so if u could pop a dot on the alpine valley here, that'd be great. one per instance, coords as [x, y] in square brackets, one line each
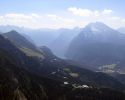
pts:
[87, 64]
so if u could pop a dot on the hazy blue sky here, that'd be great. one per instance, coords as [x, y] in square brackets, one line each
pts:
[61, 13]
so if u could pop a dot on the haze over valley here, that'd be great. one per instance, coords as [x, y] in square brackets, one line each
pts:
[62, 50]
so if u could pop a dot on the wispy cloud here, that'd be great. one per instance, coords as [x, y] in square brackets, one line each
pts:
[60, 19]
[19, 19]
[36, 21]
[106, 15]
[72, 17]
[88, 12]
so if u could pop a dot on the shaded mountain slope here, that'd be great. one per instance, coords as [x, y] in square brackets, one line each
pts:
[18, 84]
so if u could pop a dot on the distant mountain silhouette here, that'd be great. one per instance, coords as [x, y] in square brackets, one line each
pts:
[60, 44]
[52, 38]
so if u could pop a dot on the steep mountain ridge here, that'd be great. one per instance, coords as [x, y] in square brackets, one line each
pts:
[23, 44]
[98, 45]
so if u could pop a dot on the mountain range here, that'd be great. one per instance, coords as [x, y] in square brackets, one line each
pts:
[92, 69]
[51, 38]
[35, 73]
